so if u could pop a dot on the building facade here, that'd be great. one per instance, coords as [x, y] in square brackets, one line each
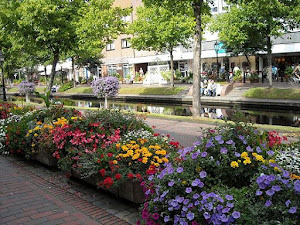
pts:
[120, 58]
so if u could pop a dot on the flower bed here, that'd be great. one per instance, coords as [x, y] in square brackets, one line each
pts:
[234, 174]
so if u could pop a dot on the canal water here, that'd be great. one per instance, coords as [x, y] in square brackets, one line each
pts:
[261, 117]
[255, 116]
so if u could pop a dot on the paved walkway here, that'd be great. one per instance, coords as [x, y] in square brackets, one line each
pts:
[32, 194]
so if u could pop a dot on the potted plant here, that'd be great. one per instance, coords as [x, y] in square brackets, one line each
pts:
[288, 72]
[254, 78]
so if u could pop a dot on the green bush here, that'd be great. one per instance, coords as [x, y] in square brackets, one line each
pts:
[66, 86]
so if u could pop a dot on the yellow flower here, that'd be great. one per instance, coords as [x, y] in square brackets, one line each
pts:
[145, 160]
[39, 123]
[74, 118]
[135, 156]
[33, 145]
[37, 128]
[132, 142]
[118, 145]
[27, 135]
[159, 161]
[115, 162]
[30, 131]
[198, 169]
[247, 161]
[294, 176]
[165, 160]
[156, 164]
[184, 182]
[239, 161]
[234, 164]
[35, 134]
[259, 158]
[277, 169]
[124, 148]
[244, 155]
[272, 161]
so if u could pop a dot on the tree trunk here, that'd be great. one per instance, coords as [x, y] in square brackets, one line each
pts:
[45, 70]
[73, 72]
[105, 102]
[52, 75]
[27, 97]
[269, 50]
[172, 68]
[197, 59]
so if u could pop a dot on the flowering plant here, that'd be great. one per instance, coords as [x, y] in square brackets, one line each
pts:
[26, 88]
[229, 177]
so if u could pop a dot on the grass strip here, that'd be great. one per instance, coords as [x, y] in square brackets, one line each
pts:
[273, 93]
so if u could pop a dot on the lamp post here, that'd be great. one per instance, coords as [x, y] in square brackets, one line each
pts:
[3, 83]
[217, 49]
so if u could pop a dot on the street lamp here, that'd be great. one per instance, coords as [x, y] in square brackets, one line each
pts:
[217, 49]
[3, 83]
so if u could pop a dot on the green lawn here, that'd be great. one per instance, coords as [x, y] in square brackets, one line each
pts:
[15, 89]
[151, 90]
[273, 93]
[134, 90]
[79, 90]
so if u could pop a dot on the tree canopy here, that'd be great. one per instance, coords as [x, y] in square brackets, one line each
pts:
[196, 9]
[159, 29]
[252, 23]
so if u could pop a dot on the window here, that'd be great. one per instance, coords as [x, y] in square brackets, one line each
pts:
[127, 70]
[225, 7]
[110, 46]
[125, 43]
[214, 6]
[112, 70]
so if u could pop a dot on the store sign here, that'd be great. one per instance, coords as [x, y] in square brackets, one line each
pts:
[222, 49]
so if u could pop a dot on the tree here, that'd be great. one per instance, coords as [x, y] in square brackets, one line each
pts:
[159, 29]
[195, 8]
[49, 25]
[101, 23]
[237, 34]
[268, 18]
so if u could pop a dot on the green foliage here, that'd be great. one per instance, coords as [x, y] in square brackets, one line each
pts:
[166, 75]
[289, 71]
[46, 98]
[101, 23]
[66, 86]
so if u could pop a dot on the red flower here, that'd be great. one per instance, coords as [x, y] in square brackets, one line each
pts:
[109, 154]
[101, 156]
[118, 176]
[102, 172]
[99, 161]
[130, 175]
[139, 176]
[140, 159]
[58, 156]
[153, 127]
[155, 134]
[108, 182]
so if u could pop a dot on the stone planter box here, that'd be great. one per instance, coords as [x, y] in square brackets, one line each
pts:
[46, 158]
[131, 190]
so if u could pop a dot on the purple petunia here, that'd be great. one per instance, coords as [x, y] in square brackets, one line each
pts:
[171, 183]
[287, 203]
[293, 210]
[297, 185]
[258, 149]
[195, 155]
[286, 174]
[270, 153]
[196, 196]
[249, 149]
[276, 188]
[241, 137]
[229, 197]
[203, 154]
[258, 192]
[270, 192]
[179, 170]
[237, 154]
[268, 203]
[190, 216]
[209, 144]
[230, 142]
[166, 219]
[223, 150]
[188, 190]
[202, 174]
[236, 214]
[206, 215]
[196, 182]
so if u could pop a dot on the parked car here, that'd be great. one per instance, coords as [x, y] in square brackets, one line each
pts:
[54, 88]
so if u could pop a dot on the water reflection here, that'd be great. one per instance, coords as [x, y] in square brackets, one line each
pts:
[260, 117]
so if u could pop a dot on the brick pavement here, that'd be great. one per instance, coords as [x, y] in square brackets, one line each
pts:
[32, 194]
